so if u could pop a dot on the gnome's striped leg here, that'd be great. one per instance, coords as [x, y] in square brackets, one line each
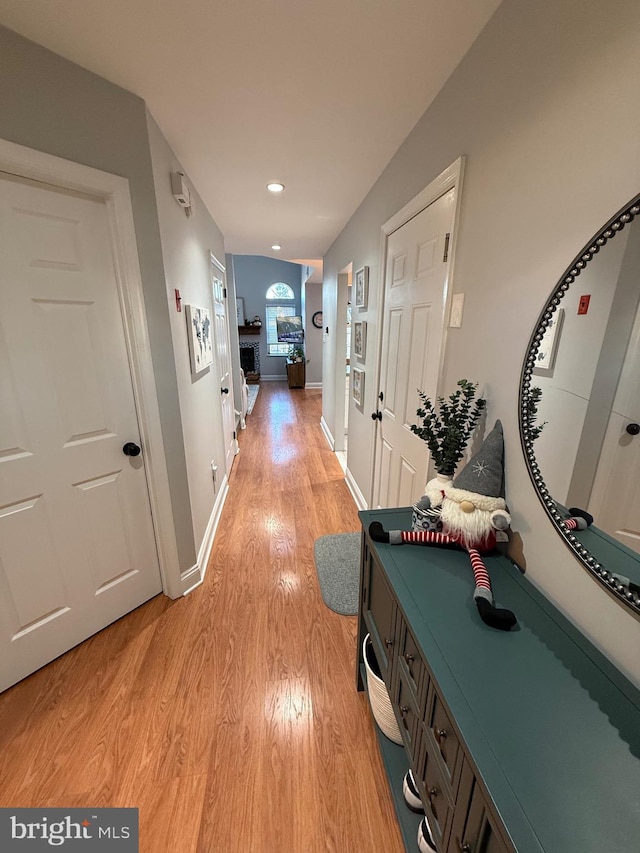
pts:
[416, 537]
[493, 616]
[580, 519]
[419, 537]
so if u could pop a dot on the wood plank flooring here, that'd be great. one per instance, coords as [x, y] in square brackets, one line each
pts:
[229, 717]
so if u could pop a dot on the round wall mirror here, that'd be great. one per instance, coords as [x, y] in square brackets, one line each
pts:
[580, 405]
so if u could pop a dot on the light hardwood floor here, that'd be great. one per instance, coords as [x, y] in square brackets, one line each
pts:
[230, 717]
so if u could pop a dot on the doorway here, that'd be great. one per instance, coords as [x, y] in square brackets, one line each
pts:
[78, 539]
[417, 251]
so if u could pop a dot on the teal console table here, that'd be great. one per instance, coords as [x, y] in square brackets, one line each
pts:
[525, 741]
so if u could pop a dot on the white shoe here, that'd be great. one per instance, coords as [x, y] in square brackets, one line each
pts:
[426, 844]
[410, 792]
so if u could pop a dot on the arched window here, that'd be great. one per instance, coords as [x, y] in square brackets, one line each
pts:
[281, 302]
[280, 290]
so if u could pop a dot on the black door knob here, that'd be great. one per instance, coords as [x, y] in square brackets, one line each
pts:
[633, 429]
[376, 416]
[131, 449]
[224, 390]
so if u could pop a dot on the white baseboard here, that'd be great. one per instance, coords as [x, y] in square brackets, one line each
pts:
[327, 434]
[357, 495]
[313, 385]
[193, 577]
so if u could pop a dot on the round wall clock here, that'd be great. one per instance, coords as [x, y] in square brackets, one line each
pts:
[317, 319]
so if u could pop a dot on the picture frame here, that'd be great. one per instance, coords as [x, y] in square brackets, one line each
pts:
[360, 339]
[361, 286]
[199, 335]
[546, 355]
[357, 386]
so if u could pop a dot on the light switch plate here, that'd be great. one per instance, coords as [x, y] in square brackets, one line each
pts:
[457, 304]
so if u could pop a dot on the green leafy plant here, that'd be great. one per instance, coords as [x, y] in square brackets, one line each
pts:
[296, 353]
[447, 425]
[531, 413]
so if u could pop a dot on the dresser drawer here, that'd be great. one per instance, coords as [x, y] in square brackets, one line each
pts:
[443, 738]
[409, 718]
[410, 663]
[435, 793]
[379, 613]
[473, 828]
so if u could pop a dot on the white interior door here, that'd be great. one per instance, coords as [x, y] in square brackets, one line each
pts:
[223, 365]
[615, 498]
[77, 546]
[415, 291]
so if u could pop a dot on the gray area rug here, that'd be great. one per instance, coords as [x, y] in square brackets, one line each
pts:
[337, 559]
[252, 393]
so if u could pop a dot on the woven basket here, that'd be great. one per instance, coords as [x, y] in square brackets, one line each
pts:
[378, 696]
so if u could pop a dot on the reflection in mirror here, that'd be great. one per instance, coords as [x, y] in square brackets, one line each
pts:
[580, 404]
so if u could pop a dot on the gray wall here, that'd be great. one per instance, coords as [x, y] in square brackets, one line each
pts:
[545, 106]
[253, 275]
[52, 105]
[187, 242]
[312, 302]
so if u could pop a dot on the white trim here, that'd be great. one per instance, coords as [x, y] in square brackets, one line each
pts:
[114, 190]
[216, 262]
[448, 179]
[313, 385]
[327, 433]
[193, 577]
[356, 494]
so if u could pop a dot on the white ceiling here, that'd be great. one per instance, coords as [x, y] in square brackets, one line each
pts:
[318, 94]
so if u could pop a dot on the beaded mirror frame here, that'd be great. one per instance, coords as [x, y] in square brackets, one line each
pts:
[602, 573]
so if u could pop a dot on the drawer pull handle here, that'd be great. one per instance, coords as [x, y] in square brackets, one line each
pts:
[409, 658]
[433, 793]
[465, 848]
[442, 734]
[404, 710]
[388, 643]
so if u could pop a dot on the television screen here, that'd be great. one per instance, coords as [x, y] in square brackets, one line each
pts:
[289, 330]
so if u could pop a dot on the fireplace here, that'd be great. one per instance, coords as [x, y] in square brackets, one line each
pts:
[250, 361]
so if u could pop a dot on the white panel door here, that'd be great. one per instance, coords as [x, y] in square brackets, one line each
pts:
[615, 498]
[223, 363]
[412, 335]
[77, 546]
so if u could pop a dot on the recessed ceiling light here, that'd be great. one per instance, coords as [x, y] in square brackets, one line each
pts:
[275, 187]
[276, 247]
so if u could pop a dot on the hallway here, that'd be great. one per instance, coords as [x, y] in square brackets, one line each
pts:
[230, 717]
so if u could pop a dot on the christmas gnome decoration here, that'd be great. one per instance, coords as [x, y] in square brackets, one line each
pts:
[473, 508]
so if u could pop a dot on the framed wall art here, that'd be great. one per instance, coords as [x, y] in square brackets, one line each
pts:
[357, 386]
[199, 334]
[360, 339]
[240, 315]
[361, 287]
[546, 357]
